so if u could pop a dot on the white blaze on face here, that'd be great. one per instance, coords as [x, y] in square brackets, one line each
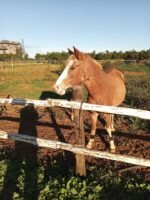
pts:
[59, 86]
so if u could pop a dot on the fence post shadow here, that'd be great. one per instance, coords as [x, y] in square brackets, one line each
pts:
[23, 159]
[67, 156]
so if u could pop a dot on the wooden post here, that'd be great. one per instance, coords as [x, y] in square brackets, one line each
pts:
[12, 66]
[79, 131]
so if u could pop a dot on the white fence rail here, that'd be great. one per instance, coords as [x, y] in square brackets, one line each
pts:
[74, 148]
[143, 114]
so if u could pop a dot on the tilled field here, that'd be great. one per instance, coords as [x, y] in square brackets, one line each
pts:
[55, 124]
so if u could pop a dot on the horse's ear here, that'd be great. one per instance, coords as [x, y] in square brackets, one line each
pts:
[70, 51]
[77, 53]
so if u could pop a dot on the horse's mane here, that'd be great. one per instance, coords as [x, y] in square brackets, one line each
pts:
[93, 60]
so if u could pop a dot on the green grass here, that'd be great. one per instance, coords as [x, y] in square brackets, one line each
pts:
[27, 81]
[138, 93]
[134, 68]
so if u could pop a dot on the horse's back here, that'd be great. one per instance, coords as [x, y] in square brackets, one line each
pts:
[117, 73]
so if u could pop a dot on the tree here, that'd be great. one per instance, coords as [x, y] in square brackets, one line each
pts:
[128, 55]
[93, 54]
[26, 56]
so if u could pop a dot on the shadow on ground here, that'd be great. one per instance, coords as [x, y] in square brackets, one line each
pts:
[53, 95]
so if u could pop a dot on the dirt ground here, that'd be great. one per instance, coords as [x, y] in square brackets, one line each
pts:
[56, 124]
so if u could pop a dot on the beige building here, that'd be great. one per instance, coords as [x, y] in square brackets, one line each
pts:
[9, 47]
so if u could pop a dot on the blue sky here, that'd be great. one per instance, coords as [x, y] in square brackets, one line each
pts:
[55, 25]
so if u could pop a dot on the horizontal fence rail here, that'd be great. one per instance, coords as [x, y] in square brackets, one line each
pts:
[74, 148]
[143, 114]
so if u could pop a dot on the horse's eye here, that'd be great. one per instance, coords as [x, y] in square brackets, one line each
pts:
[72, 67]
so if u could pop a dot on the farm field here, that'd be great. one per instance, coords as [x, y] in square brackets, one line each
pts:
[27, 172]
[27, 81]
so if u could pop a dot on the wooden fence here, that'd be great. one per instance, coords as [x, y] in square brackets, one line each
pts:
[143, 114]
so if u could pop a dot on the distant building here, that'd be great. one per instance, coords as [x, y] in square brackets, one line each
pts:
[9, 47]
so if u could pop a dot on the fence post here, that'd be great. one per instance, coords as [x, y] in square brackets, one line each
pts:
[79, 131]
[12, 65]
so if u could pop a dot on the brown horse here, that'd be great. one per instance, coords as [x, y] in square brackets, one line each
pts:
[104, 87]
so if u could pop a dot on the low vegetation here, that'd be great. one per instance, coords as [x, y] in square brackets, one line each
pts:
[138, 92]
[55, 181]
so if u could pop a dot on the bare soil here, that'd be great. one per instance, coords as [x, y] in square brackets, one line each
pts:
[56, 124]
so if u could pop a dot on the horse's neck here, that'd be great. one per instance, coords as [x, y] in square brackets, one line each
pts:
[92, 68]
[94, 76]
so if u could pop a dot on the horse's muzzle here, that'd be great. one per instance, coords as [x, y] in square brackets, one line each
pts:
[59, 90]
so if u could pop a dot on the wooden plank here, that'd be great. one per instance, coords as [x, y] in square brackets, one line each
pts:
[143, 114]
[79, 131]
[75, 149]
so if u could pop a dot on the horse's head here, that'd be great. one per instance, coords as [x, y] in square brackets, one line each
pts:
[73, 72]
